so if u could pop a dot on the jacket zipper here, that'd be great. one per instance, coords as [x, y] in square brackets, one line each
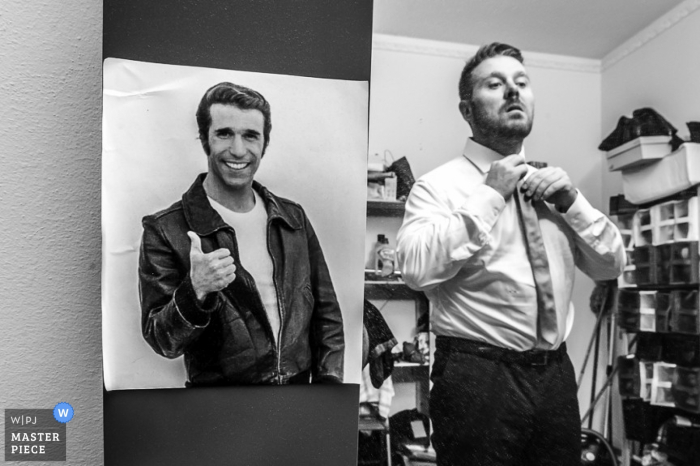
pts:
[257, 292]
[279, 308]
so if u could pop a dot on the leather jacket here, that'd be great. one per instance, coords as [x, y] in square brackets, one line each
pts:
[228, 339]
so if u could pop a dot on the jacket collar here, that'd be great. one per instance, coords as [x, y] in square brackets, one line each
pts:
[204, 220]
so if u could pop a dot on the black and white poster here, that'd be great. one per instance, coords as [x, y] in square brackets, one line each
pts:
[152, 152]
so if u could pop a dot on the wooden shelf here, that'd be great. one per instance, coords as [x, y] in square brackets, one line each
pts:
[369, 423]
[391, 290]
[385, 208]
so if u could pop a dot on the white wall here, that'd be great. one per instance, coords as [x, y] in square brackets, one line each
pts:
[50, 90]
[663, 73]
[413, 112]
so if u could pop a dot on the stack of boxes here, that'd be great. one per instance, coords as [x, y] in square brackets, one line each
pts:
[671, 311]
[665, 243]
[658, 300]
[686, 389]
[625, 225]
[658, 293]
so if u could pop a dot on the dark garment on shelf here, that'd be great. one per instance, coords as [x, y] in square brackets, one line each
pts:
[228, 340]
[380, 343]
[496, 407]
[404, 177]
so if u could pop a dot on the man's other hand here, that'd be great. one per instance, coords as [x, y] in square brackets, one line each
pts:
[505, 174]
[553, 185]
[209, 272]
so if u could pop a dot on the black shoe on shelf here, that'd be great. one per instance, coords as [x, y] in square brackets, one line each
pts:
[694, 128]
[624, 131]
[652, 124]
[644, 122]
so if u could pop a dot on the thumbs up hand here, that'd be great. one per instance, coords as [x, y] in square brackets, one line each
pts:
[209, 272]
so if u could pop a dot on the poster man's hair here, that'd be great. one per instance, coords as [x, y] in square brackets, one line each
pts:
[231, 94]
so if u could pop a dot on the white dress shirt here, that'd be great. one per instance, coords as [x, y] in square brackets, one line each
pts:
[462, 244]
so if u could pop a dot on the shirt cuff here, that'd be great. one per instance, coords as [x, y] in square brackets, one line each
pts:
[189, 308]
[581, 214]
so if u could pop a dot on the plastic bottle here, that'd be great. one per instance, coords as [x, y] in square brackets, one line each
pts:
[390, 188]
[385, 257]
[375, 253]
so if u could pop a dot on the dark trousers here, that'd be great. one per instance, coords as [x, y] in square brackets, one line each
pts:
[495, 407]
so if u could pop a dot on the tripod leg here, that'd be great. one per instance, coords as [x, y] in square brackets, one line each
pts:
[595, 375]
[596, 329]
[607, 429]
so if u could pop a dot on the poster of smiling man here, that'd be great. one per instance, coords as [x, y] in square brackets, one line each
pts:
[233, 227]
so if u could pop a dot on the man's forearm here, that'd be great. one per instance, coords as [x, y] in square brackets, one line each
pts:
[170, 327]
[434, 241]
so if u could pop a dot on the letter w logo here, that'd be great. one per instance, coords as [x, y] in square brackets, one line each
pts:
[62, 413]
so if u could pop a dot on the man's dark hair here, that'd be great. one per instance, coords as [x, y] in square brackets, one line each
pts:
[231, 94]
[485, 52]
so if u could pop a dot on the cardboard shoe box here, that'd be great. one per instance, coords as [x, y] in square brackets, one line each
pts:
[638, 152]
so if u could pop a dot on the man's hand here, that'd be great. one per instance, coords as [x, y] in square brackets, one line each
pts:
[553, 185]
[505, 174]
[209, 272]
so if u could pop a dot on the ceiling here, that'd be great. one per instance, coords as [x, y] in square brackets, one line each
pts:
[579, 28]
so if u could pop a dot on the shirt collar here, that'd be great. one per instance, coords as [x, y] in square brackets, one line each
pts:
[481, 156]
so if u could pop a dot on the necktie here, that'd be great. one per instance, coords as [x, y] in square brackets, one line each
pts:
[546, 311]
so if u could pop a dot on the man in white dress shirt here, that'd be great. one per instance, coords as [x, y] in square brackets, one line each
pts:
[504, 389]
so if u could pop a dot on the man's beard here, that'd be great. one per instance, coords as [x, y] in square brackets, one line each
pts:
[515, 129]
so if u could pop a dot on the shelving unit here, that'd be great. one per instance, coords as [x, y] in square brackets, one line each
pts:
[405, 372]
[659, 301]
[387, 215]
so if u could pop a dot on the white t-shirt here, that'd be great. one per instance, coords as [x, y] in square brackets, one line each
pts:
[251, 235]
